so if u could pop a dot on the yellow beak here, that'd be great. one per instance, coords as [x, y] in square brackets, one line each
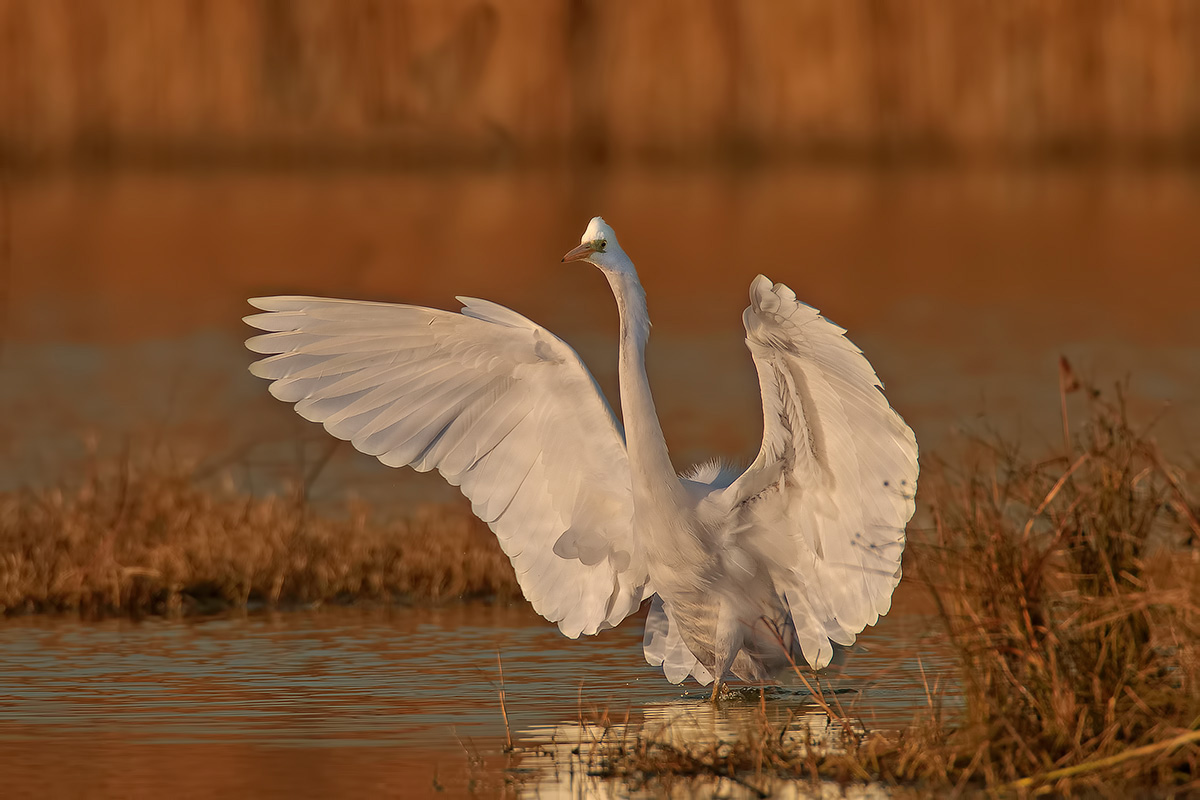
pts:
[579, 253]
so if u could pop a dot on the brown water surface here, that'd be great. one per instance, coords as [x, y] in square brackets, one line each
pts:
[347, 702]
[125, 292]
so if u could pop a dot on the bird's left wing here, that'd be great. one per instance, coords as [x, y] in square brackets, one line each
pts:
[827, 500]
[501, 407]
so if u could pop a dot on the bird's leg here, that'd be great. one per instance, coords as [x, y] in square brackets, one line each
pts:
[728, 642]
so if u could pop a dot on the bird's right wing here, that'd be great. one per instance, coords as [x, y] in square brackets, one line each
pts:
[501, 407]
[827, 500]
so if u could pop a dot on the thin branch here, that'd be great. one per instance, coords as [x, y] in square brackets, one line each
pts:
[1100, 763]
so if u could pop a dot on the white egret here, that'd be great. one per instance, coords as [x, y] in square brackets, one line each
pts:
[746, 572]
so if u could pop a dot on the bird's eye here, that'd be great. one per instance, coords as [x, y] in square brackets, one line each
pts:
[601, 244]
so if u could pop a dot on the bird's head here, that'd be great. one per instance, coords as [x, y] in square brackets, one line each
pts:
[598, 246]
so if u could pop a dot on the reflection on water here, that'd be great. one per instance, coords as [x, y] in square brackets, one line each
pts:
[695, 722]
[569, 758]
[338, 701]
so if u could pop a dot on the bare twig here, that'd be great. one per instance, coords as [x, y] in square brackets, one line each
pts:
[508, 745]
[1067, 383]
[1101, 763]
[1054, 490]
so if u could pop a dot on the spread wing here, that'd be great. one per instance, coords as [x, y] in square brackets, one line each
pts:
[501, 407]
[829, 495]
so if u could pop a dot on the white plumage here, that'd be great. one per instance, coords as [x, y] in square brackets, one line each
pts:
[798, 553]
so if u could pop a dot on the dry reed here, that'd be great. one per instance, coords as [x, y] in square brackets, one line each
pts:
[1070, 587]
[137, 535]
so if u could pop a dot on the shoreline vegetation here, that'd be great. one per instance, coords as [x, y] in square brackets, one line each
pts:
[473, 81]
[139, 536]
[1068, 586]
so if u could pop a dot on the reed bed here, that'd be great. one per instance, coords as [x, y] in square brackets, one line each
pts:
[1069, 589]
[471, 80]
[140, 535]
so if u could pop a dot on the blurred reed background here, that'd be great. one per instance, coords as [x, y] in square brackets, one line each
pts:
[598, 80]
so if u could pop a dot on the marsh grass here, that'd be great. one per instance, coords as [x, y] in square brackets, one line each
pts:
[141, 534]
[1069, 589]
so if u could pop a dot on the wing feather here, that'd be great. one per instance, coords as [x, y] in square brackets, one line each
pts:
[663, 645]
[501, 407]
[833, 485]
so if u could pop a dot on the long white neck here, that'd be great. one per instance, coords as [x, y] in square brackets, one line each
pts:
[649, 463]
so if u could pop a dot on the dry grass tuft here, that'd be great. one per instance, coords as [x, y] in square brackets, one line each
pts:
[137, 536]
[1070, 587]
